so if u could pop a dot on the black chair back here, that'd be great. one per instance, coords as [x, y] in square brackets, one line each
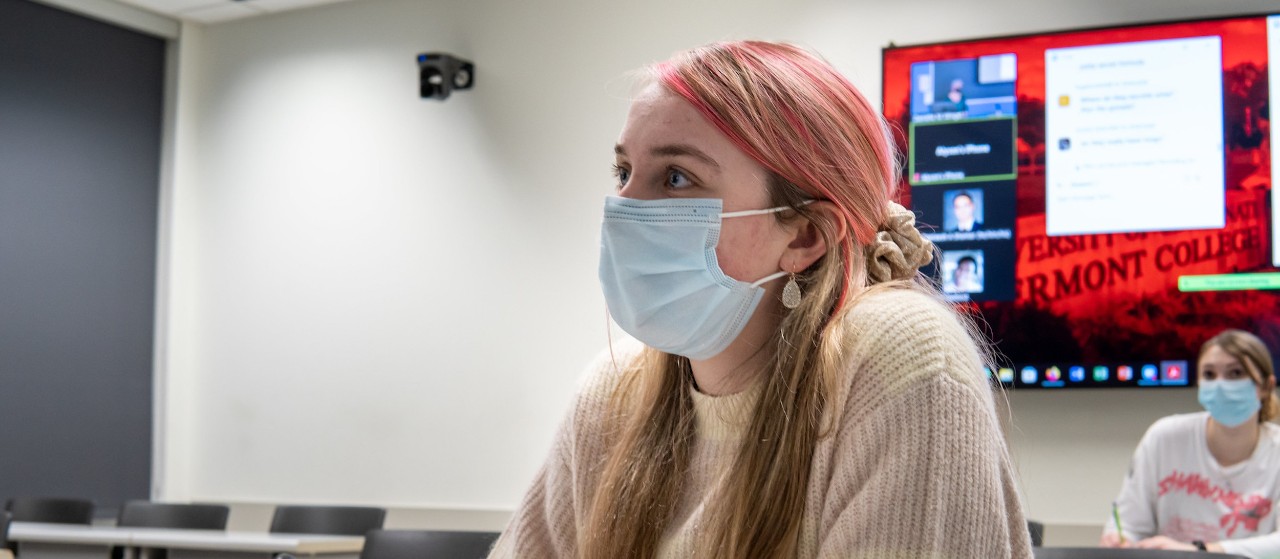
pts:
[5, 518]
[1037, 532]
[427, 544]
[50, 509]
[1113, 553]
[347, 521]
[145, 514]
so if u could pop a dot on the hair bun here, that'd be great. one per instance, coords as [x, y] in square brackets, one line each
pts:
[898, 250]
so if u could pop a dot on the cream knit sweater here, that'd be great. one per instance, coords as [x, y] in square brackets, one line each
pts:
[917, 467]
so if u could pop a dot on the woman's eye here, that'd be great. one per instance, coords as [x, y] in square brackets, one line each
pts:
[1234, 373]
[677, 179]
[1208, 374]
[622, 174]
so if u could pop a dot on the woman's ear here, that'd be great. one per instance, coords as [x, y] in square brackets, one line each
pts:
[807, 243]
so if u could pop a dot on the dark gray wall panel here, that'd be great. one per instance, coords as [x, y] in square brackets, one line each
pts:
[80, 128]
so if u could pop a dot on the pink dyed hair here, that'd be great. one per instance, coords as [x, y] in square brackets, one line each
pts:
[795, 114]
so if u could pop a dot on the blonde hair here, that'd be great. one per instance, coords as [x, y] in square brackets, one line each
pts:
[820, 138]
[1254, 356]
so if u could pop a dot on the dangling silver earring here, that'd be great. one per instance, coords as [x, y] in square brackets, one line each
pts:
[791, 293]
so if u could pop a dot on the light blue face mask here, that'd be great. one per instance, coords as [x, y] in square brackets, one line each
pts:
[1230, 402]
[661, 279]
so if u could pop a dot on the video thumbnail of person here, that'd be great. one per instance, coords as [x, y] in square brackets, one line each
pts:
[965, 210]
[982, 211]
[962, 271]
[966, 88]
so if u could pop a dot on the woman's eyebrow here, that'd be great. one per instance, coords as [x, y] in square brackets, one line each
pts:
[687, 150]
[671, 150]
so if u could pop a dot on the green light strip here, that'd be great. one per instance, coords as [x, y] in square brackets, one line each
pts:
[1229, 282]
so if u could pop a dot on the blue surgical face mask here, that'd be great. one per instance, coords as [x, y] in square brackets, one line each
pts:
[1230, 402]
[661, 279]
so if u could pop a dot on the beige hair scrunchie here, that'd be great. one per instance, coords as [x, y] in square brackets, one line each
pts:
[898, 250]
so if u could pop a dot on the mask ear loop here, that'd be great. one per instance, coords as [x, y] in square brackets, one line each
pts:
[768, 279]
[745, 213]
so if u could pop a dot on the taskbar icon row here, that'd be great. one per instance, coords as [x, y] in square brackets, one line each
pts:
[1152, 374]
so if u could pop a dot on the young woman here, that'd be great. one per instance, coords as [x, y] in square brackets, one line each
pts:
[1209, 480]
[798, 392]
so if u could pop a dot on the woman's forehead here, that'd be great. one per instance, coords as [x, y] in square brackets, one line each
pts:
[1215, 354]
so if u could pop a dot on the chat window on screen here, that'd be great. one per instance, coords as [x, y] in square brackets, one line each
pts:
[1134, 137]
[1273, 54]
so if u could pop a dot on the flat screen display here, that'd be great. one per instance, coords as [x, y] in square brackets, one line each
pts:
[1102, 198]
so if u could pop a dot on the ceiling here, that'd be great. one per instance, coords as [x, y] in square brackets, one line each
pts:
[217, 11]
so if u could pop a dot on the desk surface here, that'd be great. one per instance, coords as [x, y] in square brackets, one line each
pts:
[67, 533]
[1123, 553]
[184, 539]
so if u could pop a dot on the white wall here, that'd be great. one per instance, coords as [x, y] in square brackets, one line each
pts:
[377, 298]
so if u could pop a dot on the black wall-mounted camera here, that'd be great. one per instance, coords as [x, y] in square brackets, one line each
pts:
[439, 74]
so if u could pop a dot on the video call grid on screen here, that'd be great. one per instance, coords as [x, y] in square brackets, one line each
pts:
[1191, 249]
[963, 120]
[955, 218]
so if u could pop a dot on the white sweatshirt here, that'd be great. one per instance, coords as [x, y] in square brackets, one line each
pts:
[1176, 488]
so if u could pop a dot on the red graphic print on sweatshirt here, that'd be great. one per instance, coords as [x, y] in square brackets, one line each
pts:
[1245, 512]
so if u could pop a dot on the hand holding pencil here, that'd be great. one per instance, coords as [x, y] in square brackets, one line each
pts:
[1116, 538]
